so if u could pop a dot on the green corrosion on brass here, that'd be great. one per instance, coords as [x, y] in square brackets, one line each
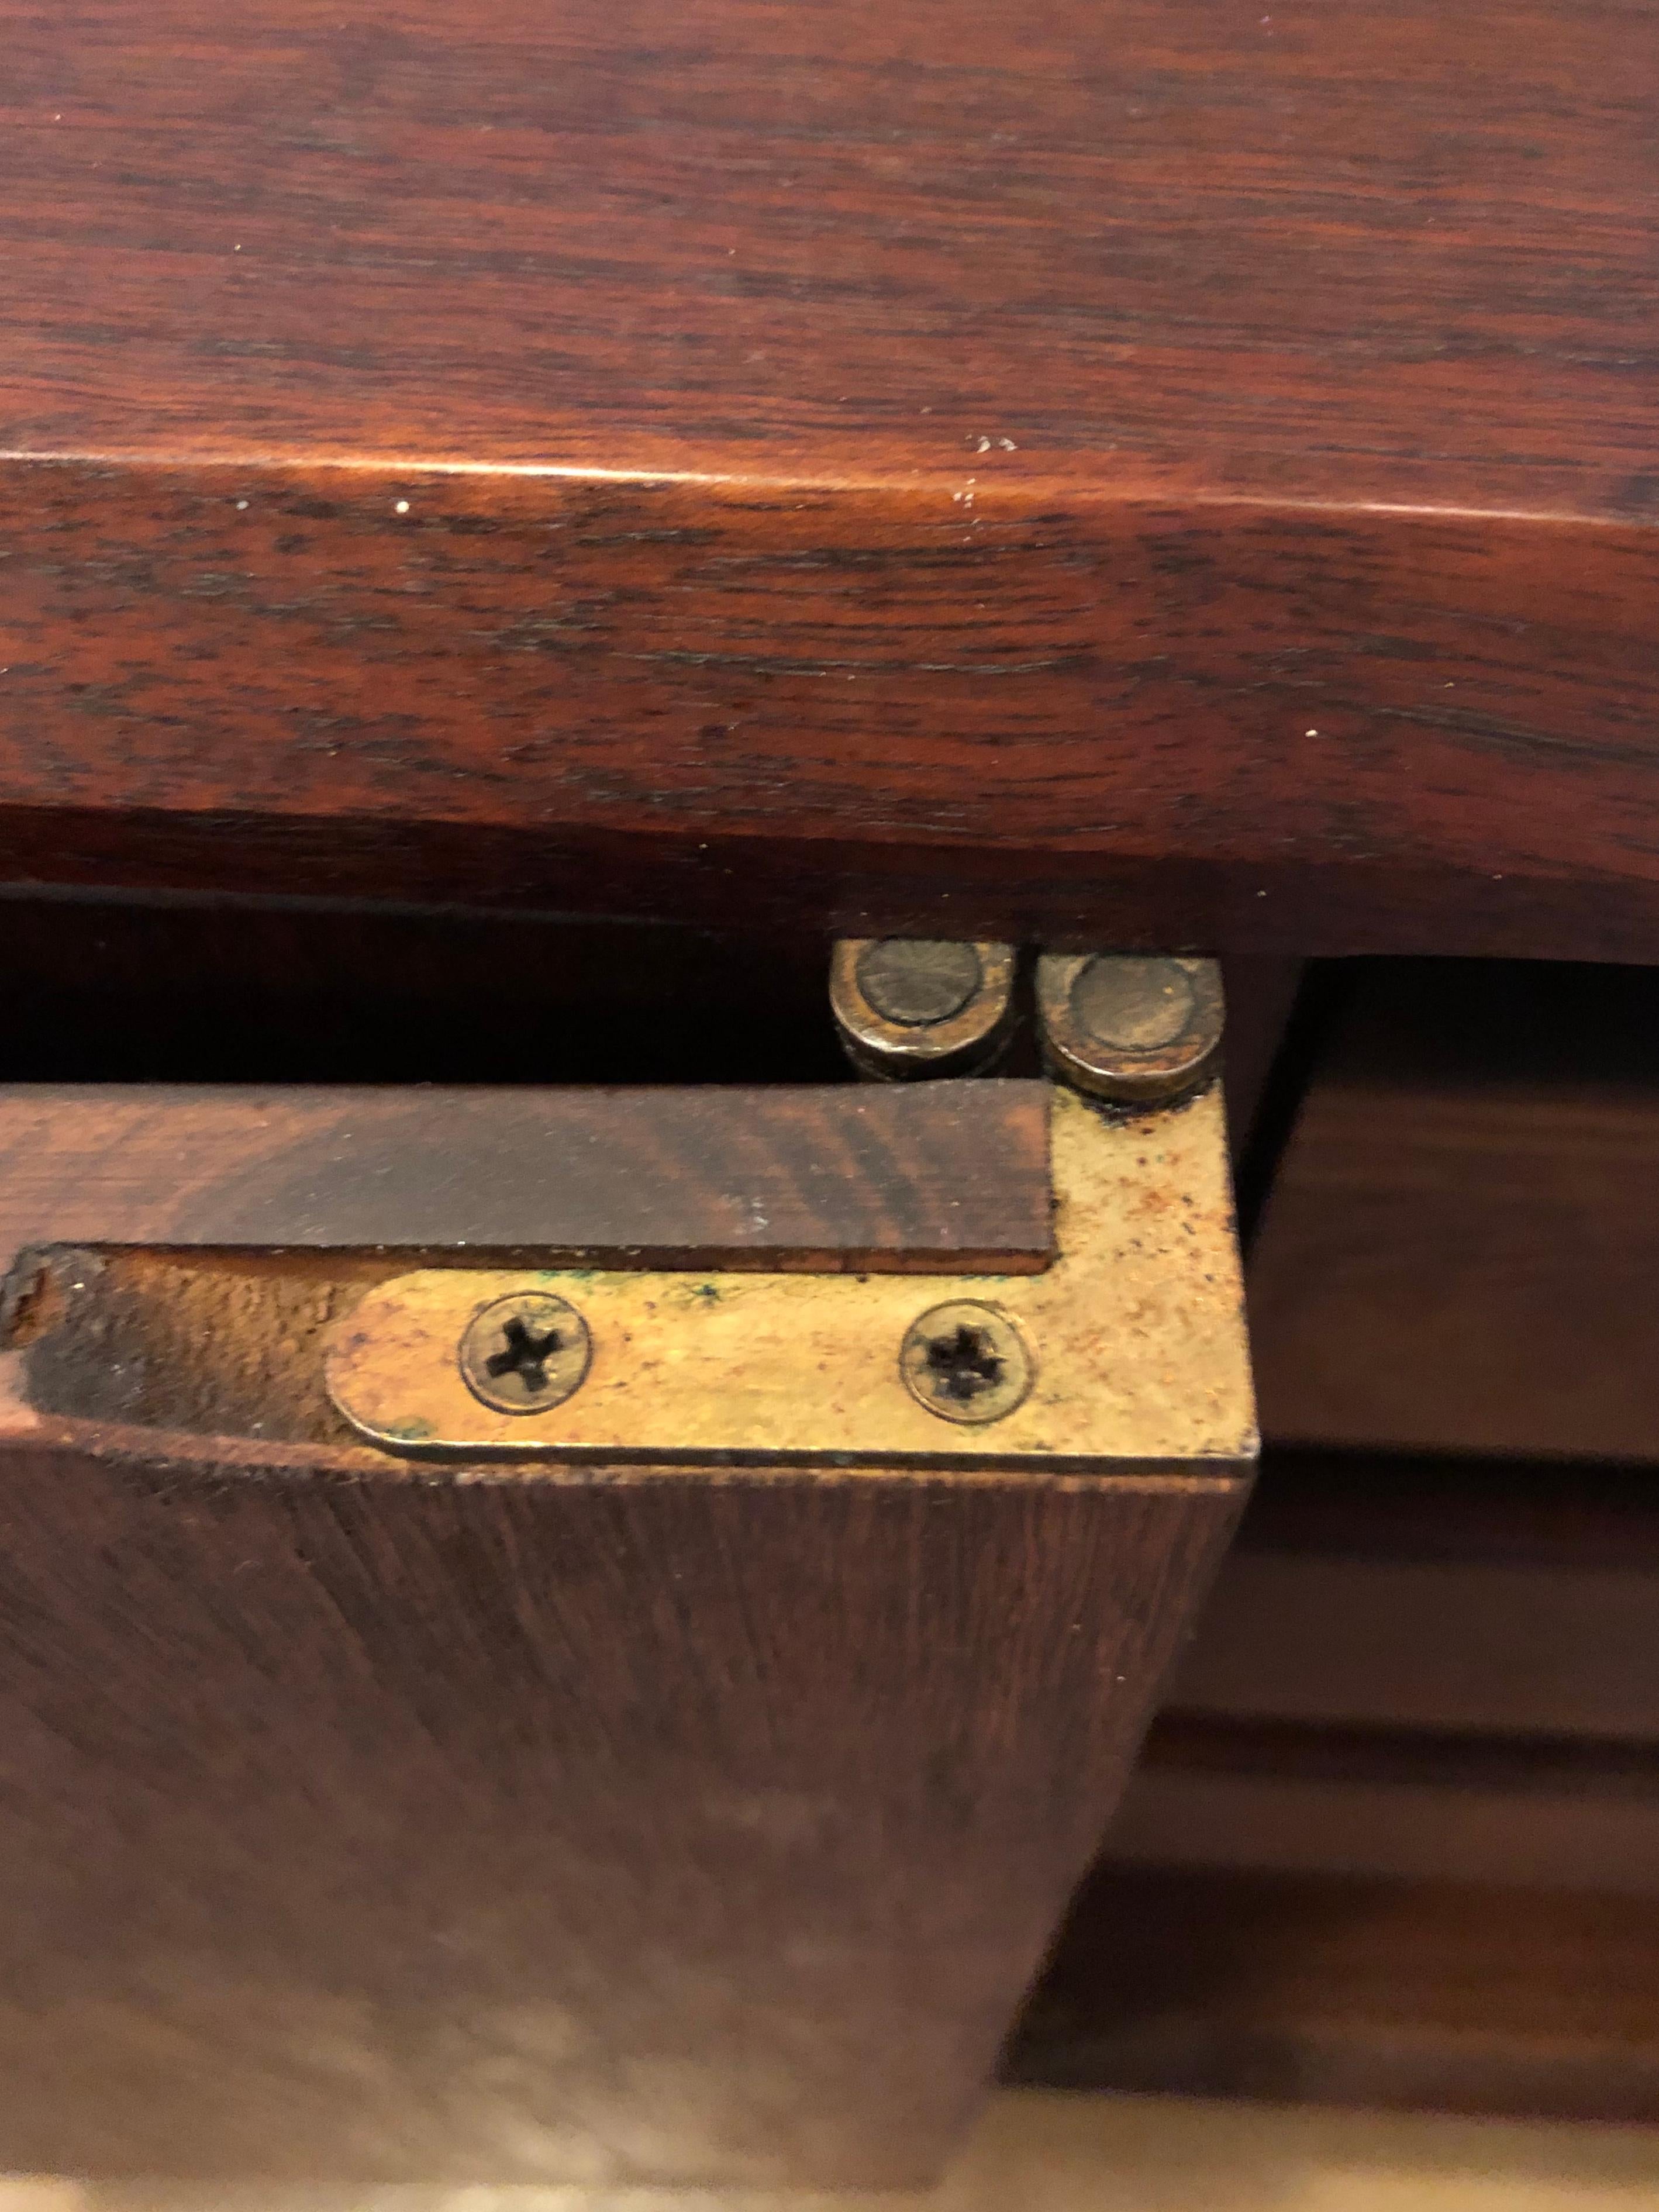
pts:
[1128, 1351]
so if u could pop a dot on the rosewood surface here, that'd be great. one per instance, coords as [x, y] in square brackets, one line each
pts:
[952, 1176]
[1459, 1249]
[507, 1824]
[364, 1824]
[1127, 472]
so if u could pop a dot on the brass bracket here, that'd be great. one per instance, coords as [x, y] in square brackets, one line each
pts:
[1129, 1349]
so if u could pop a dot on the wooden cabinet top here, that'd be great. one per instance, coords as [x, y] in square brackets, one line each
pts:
[1115, 463]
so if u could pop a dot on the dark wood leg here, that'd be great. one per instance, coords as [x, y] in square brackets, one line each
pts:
[421, 1827]
[522, 1820]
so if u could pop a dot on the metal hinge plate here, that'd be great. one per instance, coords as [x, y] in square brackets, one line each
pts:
[1130, 1347]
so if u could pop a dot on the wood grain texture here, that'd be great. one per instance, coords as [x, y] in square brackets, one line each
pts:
[1431, 1994]
[1113, 474]
[1424, 1669]
[1515, 1813]
[640, 1825]
[1465, 1646]
[1468, 1597]
[1459, 1249]
[1586, 1516]
[952, 1174]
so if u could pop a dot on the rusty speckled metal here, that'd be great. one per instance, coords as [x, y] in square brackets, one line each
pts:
[1136, 1337]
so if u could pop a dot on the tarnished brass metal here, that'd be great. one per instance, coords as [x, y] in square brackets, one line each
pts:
[966, 1362]
[1135, 1338]
[1132, 1029]
[908, 1006]
[525, 1353]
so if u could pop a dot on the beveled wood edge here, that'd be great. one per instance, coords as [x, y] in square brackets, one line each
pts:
[161, 1451]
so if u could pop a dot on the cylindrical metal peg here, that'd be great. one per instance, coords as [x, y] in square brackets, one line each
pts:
[1133, 1030]
[910, 1006]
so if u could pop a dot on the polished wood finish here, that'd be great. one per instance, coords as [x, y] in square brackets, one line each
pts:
[1114, 475]
[1506, 1599]
[1420, 1668]
[950, 1176]
[641, 1825]
[1509, 1813]
[1431, 1994]
[490, 1822]
[1459, 1249]
[1410, 1674]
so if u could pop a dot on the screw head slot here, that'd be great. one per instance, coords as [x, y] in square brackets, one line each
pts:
[966, 1362]
[525, 1353]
